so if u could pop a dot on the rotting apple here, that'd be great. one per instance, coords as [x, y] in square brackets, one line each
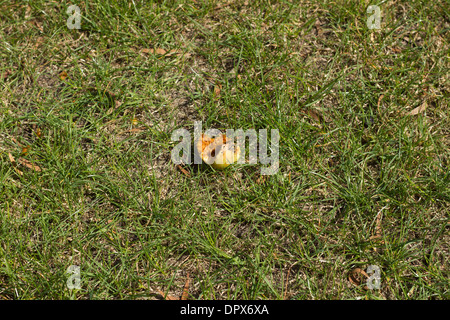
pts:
[218, 152]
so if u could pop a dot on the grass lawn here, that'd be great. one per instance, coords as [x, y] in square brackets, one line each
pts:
[87, 180]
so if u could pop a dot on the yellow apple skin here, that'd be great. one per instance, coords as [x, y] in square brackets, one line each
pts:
[227, 157]
[219, 149]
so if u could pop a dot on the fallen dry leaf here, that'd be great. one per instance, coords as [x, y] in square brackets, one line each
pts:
[315, 115]
[217, 90]
[63, 75]
[161, 51]
[16, 142]
[185, 294]
[28, 12]
[355, 276]
[155, 51]
[167, 297]
[26, 149]
[13, 161]
[11, 158]
[133, 130]
[184, 171]
[158, 51]
[379, 101]
[418, 110]
[38, 133]
[286, 286]
[29, 164]
[378, 232]
[261, 179]
[37, 24]
[378, 226]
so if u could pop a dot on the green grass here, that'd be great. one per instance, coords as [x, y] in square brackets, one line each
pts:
[360, 181]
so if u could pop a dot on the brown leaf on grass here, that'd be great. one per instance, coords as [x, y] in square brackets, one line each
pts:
[28, 12]
[315, 115]
[167, 297]
[163, 52]
[185, 294]
[418, 110]
[355, 276]
[261, 179]
[286, 286]
[136, 130]
[217, 89]
[158, 51]
[38, 132]
[37, 24]
[377, 227]
[318, 27]
[25, 150]
[379, 101]
[13, 161]
[133, 130]
[183, 170]
[29, 164]
[378, 232]
[154, 51]
[63, 75]
[16, 142]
